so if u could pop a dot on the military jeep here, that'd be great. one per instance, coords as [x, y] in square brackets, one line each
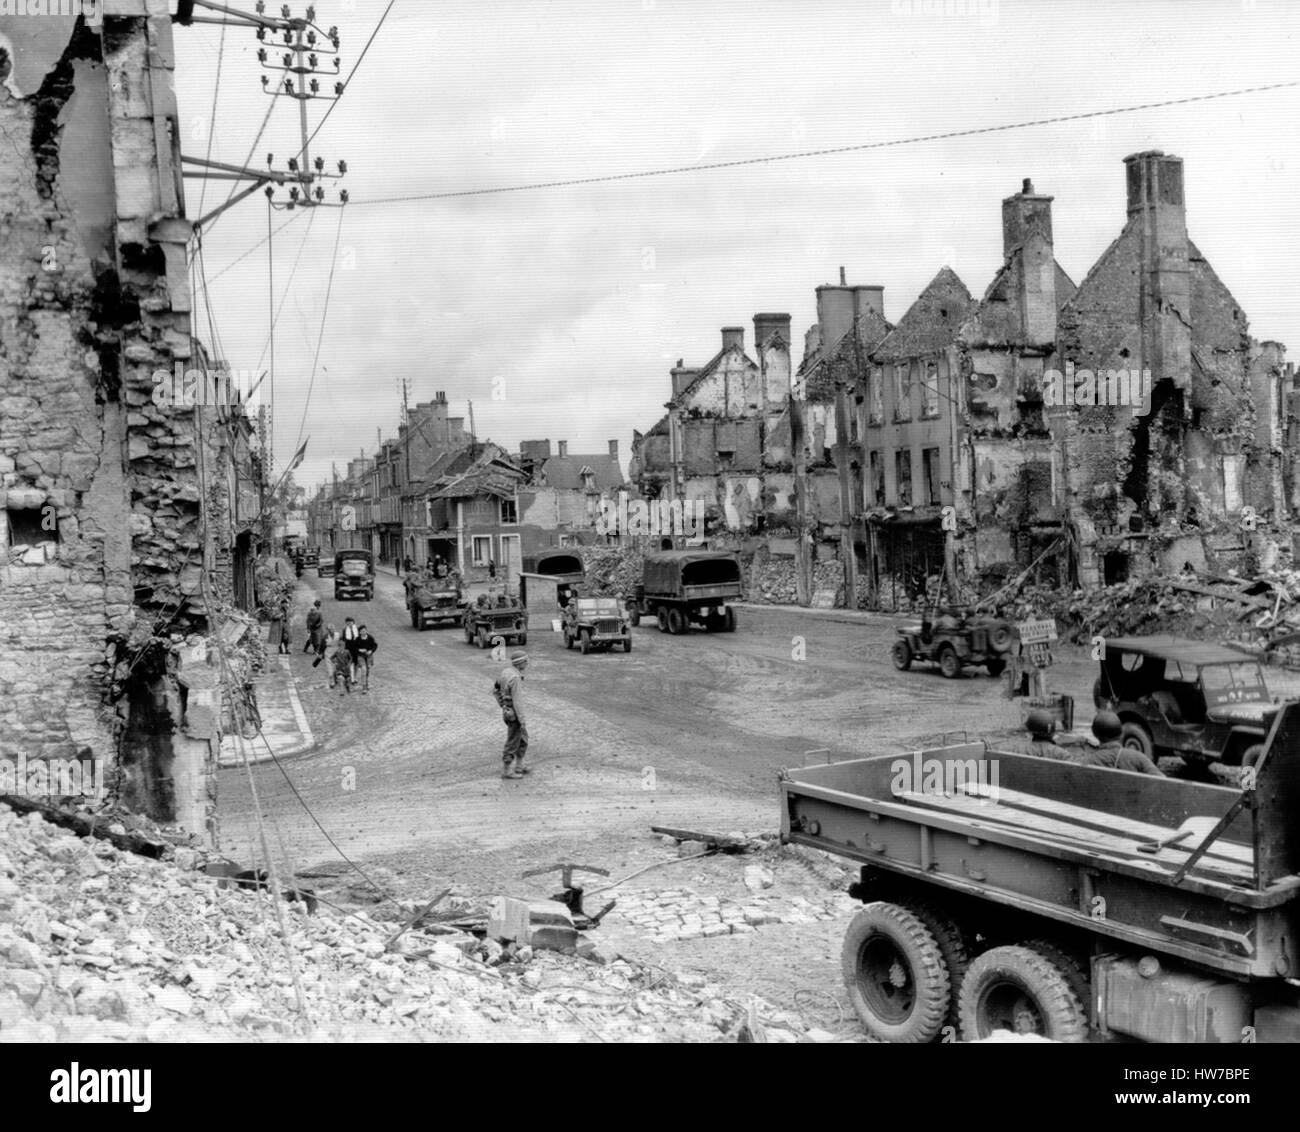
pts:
[596, 623]
[955, 639]
[431, 600]
[490, 617]
[1202, 702]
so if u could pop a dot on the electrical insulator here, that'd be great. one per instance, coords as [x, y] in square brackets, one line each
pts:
[259, 7]
[270, 159]
[311, 13]
[269, 192]
[314, 85]
[264, 81]
[313, 61]
[319, 163]
[288, 85]
[284, 10]
[261, 54]
[343, 166]
[311, 39]
[338, 88]
[288, 59]
[293, 165]
[261, 34]
[343, 195]
[320, 193]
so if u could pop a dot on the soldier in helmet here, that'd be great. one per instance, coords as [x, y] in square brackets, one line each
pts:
[1040, 726]
[508, 692]
[1106, 727]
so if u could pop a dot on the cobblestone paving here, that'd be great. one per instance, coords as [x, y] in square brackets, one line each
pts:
[670, 914]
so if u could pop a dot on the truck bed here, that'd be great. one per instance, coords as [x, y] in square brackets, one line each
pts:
[1061, 841]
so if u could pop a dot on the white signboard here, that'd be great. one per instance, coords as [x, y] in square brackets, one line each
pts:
[1036, 632]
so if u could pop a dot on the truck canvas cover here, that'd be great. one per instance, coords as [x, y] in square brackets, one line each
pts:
[669, 570]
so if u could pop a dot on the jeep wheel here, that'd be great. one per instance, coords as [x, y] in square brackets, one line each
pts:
[469, 635]
[482, 639]
[902, 654]
[949, 662]
[523, 639]
[568, 639]
[627, 643]
[996, 666]
[585, 642]
[1137, 738]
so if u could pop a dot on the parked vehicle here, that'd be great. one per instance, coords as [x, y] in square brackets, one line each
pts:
[596, 623]
[354, 574]
[485, 620]
[433, 601]
[325, 568]
[311, 556]
[1202, 702]
[1076, 902]
[955, 639]
[565, 564]
[681, 588]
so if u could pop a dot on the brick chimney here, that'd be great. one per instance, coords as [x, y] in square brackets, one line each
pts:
[613, 449]
[868, 297]
[1027, 235]
[562, 448]
[765, 325]
[1157, 211]
[834, 313]
[682, 377]
[733, 337]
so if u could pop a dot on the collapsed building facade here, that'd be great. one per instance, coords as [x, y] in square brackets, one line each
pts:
[126, 518]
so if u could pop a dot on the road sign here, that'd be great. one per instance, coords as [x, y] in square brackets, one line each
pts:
[1036, 632]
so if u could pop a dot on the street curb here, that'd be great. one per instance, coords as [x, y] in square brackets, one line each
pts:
[261, 752]
[847, 616]
[300, 716]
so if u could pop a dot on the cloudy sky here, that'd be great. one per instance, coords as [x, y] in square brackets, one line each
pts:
[559, 312]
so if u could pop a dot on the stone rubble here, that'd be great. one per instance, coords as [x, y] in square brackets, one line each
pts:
[97, 944]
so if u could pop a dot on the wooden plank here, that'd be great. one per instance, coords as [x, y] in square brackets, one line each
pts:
[1091, 839]
[86, 827]
[1113, 823]
[717, 840]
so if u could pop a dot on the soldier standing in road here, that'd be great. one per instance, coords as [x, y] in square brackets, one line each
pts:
[508, 691]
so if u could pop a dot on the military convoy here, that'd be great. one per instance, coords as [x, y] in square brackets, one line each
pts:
[494, 616]
[354, 574]
[596, 623]
[433, 600]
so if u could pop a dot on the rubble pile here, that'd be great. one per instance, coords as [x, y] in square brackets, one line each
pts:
[97, 944]
[612, 571]
[773, 581]
[275, 585]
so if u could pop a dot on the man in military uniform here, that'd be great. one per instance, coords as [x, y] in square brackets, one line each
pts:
[508, 692]
[1040, 726]
[1106, 727]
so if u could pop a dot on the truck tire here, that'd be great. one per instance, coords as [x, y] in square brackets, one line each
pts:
[1137, 738]
[676, 622]
[523, 639]
[954, 946]
[661, 614]
[1074, 966]
[1018, 989]
[895, 974]
[949, 662]
[634, 618]
[902, 654]
[729, 621]
[1000, 637]
[584, 642]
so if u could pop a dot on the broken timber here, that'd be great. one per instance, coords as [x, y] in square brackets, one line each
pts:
[717, 841]
[87, 827]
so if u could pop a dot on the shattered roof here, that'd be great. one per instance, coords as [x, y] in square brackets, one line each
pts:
[992, 320]
[490, 472]
[931, 323]
[565, 472]
[712, 364]
[873, 331]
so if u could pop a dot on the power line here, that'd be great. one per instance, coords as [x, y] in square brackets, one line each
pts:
[320, 337]
[772, 158]
[330, 109]
[254, 248]
[251, 149]
[288, 286]
[212, 123]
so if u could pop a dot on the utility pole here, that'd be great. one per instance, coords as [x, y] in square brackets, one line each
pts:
[473, 445]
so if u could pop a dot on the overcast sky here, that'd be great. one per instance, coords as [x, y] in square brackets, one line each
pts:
[574, 303]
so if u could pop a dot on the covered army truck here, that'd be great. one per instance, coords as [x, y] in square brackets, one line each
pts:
[681, 588]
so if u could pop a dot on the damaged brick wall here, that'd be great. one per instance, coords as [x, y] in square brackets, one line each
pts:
[93, 299]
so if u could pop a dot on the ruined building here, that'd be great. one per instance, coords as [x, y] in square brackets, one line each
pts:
[106, 490]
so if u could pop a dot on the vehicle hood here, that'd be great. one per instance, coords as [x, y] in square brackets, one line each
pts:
[1256, 711]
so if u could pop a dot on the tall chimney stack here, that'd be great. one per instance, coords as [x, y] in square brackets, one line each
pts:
[765, 325]
[563, 447]
[733, 337]
[1155, 204]
[613, 449]
[1027, 234]
[682, 377]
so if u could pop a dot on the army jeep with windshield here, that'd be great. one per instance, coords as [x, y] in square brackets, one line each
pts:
[596, 623]
[1199, 701]
[955, 639]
